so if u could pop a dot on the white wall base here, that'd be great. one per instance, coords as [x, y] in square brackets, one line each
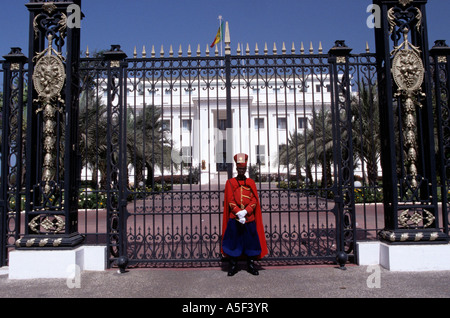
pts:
[94, 258]
[32, 264]
[368, 253]
[424, 257]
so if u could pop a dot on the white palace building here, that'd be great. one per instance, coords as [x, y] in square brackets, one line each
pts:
[264, 114]
[266, 108]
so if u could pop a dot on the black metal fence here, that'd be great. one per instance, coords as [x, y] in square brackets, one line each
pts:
[156, 138]
[289, 112]
[176, 154]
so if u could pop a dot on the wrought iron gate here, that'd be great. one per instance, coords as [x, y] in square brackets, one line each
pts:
[154, 138]
[171, 122]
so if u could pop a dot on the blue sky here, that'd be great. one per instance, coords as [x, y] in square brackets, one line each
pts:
[137, 23]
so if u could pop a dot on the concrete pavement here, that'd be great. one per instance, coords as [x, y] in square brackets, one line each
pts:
[273, 282]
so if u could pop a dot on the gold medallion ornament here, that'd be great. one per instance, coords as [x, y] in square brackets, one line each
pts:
[48, 79]
[408, 71]
[49, 74]
[408, 74]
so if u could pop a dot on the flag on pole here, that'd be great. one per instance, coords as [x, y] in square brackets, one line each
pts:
[219, 35]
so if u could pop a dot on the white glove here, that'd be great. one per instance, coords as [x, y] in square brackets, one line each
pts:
[242, 221]
[241, 214]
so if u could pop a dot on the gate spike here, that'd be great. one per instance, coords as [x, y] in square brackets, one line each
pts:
[153, 51]
[265, 48]
[207, 50]
[367, 47]
[283, 49]
[144, 52]
[198, 50]
[238, 50]
[180, 51]
[170, 51]
[227, 39]
[274, 48]
[216, 51]
[135, 52]
[87, 51]
[320, 47]
[189, 51]
[161, 53]
[302, 49]
[311, 49]
[256, 49]
[293, 48]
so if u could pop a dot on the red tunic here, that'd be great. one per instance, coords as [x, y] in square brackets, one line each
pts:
[242, 195]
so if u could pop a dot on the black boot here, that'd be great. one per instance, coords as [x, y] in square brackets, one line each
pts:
[233, 267]
[251, 267]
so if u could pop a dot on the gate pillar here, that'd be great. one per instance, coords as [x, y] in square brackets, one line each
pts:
[440, 53]
[52, 165]
[406, 125]
[342, 149]
[12, 150]
[116, 154]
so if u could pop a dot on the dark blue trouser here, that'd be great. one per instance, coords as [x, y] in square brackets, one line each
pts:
[241, 239]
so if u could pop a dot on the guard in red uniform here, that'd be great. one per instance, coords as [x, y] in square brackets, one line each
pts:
[243, 230]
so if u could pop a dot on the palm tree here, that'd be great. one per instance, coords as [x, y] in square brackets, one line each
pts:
[366, 131]
[93, 131]
[293, 155]
[92, 124]
[313, 147]
[148, 146]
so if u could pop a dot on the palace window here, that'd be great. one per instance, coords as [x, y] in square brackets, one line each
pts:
[187, 125]
[282, 123]
[259, 123]
[260, 154]
[319, 88]
[186, 156]
[302, 123]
